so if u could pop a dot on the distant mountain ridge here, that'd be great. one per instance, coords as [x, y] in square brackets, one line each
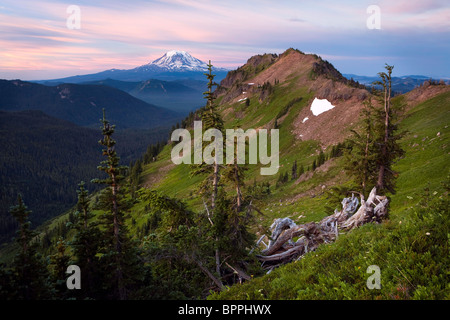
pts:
[400, 84]
[83, 104]
[180, 96]
[173, 65]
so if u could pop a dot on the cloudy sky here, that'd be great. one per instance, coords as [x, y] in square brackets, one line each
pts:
[36, 43]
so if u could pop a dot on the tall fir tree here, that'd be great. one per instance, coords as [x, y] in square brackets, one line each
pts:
[86, 244]
[119, 256]
[30, 273]
[361, 158]
[375, 148]
[388, 136]
[58, 265]
[211, 119]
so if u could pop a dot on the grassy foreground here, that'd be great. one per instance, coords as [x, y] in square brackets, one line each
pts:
[411, 248]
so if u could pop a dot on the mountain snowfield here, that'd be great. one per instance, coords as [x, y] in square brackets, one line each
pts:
[180, 60]
[319, 106]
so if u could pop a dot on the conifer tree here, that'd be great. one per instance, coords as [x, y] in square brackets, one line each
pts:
[119, 256]
[294, 170]
[86, 244]
[360, 159]
[59, 263]
[390, 149]
[30, 274]
[235, 174]
[211, 119]
[374, 149]
[321, 158]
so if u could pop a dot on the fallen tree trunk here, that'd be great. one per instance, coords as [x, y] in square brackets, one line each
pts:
[282, 249]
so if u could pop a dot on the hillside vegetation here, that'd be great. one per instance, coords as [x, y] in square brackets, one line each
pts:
[174, 248]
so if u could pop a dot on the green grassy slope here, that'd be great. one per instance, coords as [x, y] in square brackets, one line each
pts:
[411, 248]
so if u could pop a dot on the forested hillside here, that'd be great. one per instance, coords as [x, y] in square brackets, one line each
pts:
[44, 158]
[82, 104]
[157, 230]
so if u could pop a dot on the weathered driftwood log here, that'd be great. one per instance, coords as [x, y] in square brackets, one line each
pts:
[282, 249]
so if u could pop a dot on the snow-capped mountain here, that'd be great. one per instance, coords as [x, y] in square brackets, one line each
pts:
[180, 60]
[177, 61]
[173, 65]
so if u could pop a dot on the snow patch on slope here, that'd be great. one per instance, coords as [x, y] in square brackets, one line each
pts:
[319, 106]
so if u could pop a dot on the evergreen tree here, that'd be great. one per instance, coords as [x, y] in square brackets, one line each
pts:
[30, 274]
[372, 152]
[361, 158]
[118, 254]
[390, 149]
[294, 170]
[321, 159]
[59, 263]
[235, 173]
[211, 119]
[86, 244]
[301, 170]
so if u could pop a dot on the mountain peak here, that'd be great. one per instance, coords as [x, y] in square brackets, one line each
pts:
[177, 60]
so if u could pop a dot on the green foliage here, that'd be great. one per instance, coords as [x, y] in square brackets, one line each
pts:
[86, 243]
[283, 177]
[28, 277]
[411, 251]
[170, 238]
[119, 256]
[361, 157]
[386, 135]
[294, 170]
[44, 158]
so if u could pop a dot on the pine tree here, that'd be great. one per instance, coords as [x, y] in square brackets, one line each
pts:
[361, 159]
[119, 256]
[86, 244]
[30, 274]
[390, 149]
[59, 263]
[321, 159]
[211, 119]
[294, 170]
[371, 152]
[235, 174]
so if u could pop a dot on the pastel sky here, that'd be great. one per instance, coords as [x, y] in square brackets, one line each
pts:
[35, 42]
